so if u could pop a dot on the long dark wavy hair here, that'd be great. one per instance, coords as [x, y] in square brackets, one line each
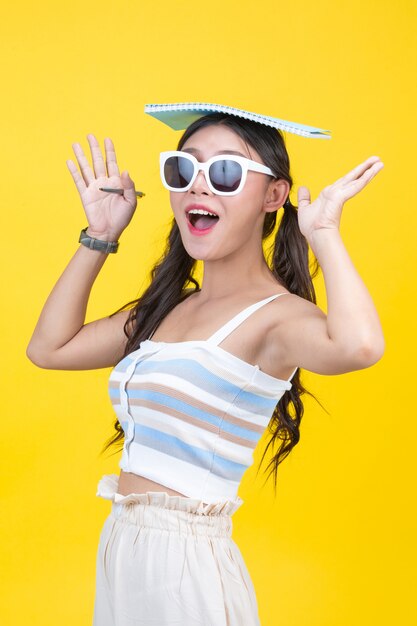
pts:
[287, 258]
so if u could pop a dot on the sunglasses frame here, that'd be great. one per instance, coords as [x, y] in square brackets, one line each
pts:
[246, 164]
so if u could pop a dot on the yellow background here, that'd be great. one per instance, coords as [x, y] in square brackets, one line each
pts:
[337, 545]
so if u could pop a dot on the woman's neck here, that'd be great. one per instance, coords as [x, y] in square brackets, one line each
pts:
[226, 277]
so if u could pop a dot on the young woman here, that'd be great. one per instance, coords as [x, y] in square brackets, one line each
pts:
[199, 373]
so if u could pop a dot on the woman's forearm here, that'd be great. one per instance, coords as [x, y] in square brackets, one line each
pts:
[352, 320]
[64, 311]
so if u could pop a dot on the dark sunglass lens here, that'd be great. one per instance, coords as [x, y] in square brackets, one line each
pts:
[178, 172]
[225, 175]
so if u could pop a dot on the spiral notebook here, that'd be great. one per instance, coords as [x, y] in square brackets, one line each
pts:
[181, 114]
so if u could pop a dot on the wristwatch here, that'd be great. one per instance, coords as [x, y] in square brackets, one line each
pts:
[97, 244]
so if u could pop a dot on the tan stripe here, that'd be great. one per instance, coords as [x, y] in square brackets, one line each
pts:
[189, 419]
[198, 404]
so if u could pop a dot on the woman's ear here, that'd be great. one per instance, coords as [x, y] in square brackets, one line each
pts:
[276, 194]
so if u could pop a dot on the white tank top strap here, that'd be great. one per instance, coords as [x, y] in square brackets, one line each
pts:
[230, 326]
[289, 379]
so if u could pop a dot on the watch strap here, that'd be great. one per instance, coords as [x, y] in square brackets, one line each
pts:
[97, 244]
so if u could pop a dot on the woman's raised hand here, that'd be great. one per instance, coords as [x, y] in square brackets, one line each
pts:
[326, 210]
[107, 213]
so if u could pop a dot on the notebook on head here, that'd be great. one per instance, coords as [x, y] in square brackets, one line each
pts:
[179, 115]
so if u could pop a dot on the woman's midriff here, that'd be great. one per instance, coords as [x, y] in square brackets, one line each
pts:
[133, 483]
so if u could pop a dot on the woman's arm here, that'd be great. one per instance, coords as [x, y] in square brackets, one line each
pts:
[60, 339]
[350, 336]
[352, 320]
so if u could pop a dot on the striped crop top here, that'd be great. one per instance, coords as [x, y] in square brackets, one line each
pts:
[192, 413]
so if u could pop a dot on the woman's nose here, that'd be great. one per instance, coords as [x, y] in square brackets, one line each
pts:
[200, 183]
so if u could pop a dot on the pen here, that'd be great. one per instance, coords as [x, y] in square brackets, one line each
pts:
[120, 191]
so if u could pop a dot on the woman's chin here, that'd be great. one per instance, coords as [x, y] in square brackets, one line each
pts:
[201, 251]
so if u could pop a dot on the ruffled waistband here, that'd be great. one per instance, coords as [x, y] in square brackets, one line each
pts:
[108, 485]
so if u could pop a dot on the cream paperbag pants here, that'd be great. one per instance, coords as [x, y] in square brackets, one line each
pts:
[167, 560]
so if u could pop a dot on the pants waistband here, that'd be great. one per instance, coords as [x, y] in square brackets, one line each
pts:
[158, 509]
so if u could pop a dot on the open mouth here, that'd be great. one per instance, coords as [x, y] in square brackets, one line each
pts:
[202, 222]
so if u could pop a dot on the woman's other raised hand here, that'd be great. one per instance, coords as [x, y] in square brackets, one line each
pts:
[107, 213]
[326, 210]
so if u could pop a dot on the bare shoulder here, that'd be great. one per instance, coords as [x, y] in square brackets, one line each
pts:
[293, 314]
[294, 310]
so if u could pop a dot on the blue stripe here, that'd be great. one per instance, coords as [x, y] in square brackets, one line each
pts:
[192, 371]
[163, 399]
[173, 446]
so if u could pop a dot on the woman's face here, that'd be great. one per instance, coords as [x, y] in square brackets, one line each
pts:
[240, 216]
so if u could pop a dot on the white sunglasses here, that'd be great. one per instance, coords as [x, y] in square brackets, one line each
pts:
[225, 174]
